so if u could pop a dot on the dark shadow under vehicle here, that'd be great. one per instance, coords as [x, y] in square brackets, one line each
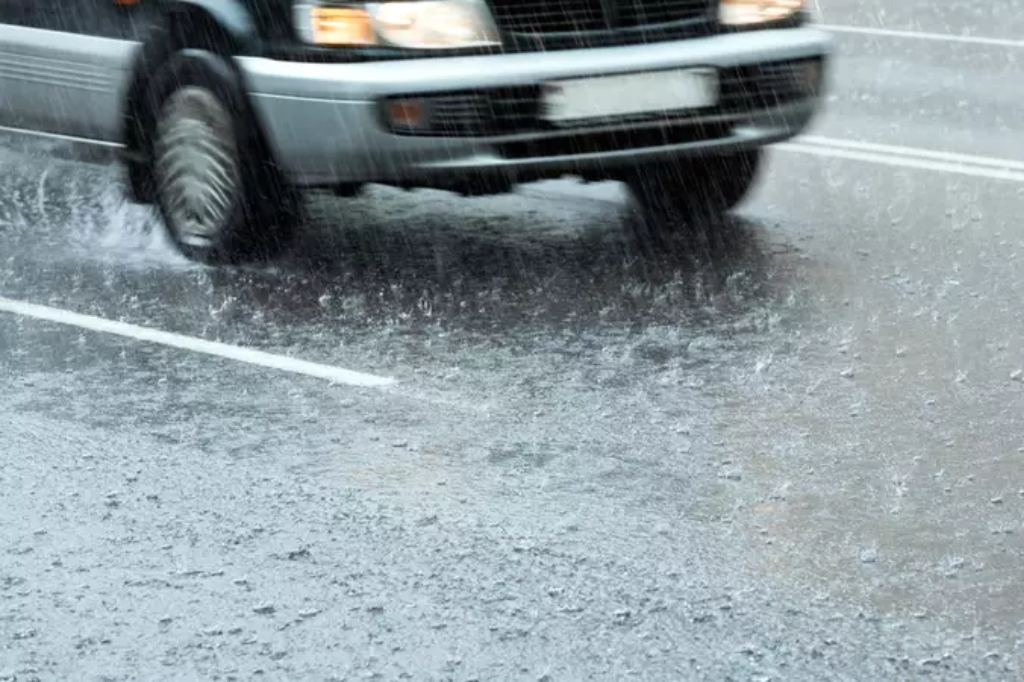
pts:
[511, 267]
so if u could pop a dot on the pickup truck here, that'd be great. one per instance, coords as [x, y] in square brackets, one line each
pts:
[221, 111]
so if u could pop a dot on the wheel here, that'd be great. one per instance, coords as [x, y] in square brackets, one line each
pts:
[673, 196]
[220, 195]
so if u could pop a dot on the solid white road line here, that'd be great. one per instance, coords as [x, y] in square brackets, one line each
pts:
[922, 35]
[61, 138]
[904, 161]
[223, 350]
[916, 152]
[870, 152]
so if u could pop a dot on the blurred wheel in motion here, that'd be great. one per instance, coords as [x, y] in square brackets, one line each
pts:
[220, 195]
[684, 193]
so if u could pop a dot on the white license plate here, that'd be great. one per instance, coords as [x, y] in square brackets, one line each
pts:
[628, 95]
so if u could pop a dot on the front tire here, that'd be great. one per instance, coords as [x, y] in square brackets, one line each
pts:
[221, 197]
[674, 196]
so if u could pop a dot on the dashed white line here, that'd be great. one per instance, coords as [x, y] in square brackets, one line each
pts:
[247, 356]
[922, 35]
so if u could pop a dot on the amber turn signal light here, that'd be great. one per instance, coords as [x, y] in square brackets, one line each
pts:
[342, 26]
[407, 114]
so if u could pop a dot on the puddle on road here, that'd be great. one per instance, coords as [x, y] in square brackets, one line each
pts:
[422, 273]
[63, 215]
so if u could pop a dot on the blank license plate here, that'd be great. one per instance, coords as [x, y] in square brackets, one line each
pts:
[627, 95]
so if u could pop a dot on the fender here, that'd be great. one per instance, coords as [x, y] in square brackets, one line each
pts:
[233, 17]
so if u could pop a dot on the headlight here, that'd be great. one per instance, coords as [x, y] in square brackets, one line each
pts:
[416, 24]
[747, 12]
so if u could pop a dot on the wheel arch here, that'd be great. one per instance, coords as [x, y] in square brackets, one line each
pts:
[210, 31]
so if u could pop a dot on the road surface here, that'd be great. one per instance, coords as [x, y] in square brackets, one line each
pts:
[791, 449]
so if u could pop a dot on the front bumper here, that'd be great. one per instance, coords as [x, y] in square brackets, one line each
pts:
[324, 120]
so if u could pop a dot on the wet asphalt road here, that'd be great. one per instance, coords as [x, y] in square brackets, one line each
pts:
[789, 450]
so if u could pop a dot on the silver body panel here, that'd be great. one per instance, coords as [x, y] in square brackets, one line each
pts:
[63, 83]
[322, 120]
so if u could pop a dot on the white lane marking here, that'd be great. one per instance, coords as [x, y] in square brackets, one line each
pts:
[24, 132]
[223, 350]
[855, 150]
[922, 35]
[900, 161]
[896, 150]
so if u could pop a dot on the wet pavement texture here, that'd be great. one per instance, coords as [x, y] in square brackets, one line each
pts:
[787, 448]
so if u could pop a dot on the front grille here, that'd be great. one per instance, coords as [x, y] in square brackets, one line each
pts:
[649, 12]
[517, 110]
[583, 16]
[478, 113]
[549, 16]
[750, 88]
